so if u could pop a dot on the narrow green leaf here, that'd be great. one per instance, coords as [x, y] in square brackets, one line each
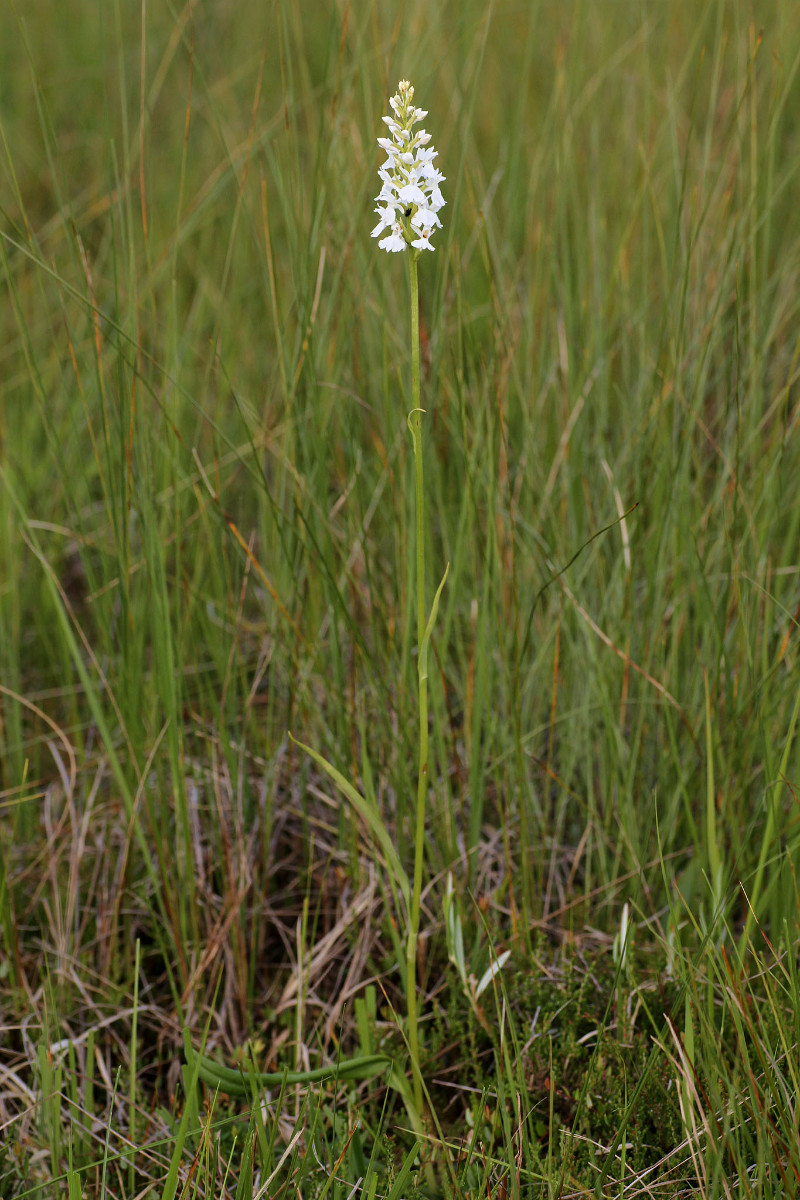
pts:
[426, 637]
[368, 814]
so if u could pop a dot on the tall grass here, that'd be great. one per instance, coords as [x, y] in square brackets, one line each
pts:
[205, 519]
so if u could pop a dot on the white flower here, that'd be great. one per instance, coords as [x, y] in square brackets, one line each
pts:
[395, 242]
[386, 220]
[436, 200]
[426, 218]
[410, 196]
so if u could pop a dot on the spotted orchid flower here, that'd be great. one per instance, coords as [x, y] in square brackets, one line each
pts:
[410, 198]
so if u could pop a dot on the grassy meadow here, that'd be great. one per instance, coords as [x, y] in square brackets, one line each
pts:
[207, 526]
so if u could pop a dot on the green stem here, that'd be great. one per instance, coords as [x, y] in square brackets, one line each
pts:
[415, 425]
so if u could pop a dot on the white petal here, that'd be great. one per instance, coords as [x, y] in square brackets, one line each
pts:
[387, 219]
[426, 218]
[411, 194]
[436, 199]
[394, 243]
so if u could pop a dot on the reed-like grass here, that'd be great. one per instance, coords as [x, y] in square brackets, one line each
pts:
[206, 512]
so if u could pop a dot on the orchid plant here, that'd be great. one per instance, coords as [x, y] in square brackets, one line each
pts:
[408, 205]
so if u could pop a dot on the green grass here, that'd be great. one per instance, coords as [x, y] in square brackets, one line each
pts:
[206, 511]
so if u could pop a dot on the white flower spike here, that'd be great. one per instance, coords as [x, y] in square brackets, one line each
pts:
[409, 199]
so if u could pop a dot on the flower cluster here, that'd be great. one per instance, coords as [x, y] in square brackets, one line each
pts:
[409, 198]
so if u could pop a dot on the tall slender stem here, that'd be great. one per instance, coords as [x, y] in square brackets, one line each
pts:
[415, 424]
